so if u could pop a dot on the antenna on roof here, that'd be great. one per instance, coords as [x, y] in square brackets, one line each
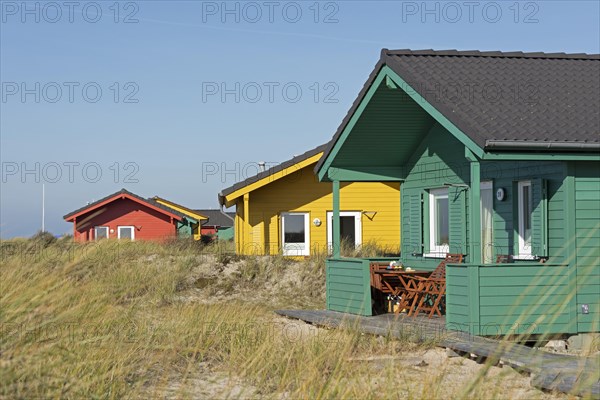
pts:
[261, 166]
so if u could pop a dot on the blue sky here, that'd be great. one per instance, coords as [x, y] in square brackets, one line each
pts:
[181, 99]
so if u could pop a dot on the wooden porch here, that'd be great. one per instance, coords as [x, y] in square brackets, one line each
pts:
[569, 374]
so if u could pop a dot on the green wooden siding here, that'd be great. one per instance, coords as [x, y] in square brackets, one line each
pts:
[587, 237]
[226, 233]
[184, 229]
[548, 236]
[393, 135]
[348, 284]
[510, 299]
[438, 160]
[394, 119]
[457, 204]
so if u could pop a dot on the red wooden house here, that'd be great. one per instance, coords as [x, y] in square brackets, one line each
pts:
[125, 215]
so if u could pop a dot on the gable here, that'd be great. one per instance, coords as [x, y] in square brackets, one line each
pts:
[123, 194]
[228, 196]
[386, 128]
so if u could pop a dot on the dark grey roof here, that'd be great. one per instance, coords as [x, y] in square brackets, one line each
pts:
[217, 217]
[543, 100]
[124, 191]
[271, 171]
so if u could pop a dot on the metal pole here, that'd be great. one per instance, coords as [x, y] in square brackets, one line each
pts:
[43, 208]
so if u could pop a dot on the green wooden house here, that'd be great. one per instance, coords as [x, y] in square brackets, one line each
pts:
[497, 154]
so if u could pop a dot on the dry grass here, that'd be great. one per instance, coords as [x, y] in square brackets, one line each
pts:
[139, 320]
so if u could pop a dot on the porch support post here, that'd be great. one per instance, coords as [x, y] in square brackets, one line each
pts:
[474, 209]
[335, 240]
[246, 225]
[570, 252]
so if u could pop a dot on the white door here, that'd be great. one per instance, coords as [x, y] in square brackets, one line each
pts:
[126, 232]
[295, 234]
[487, 239]
[350, 228]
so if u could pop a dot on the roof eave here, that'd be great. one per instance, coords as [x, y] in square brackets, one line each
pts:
[372, 77]
[272, 174]
[120, 195]
[498, 145]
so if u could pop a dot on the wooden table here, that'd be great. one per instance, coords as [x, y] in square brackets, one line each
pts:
[398, 282]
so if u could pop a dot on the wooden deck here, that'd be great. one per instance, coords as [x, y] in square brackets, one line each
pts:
[564, 373]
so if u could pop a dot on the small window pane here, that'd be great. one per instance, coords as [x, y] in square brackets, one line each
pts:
[527, 209]
[294, 229]
[439, 221]
[442, 231]
[348, 230]
[125, 233]
[525, 217]
[101, 232]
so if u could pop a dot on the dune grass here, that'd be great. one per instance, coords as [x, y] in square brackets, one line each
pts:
[113, 320]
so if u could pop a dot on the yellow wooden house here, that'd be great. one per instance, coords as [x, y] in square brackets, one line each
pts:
[285, 209]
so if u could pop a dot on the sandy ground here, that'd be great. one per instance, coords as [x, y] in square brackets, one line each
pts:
[450, 374]
[447, 373]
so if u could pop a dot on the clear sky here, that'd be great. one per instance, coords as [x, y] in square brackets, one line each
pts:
[182, 98]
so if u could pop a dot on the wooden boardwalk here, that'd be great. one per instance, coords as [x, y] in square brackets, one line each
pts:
[565, 373]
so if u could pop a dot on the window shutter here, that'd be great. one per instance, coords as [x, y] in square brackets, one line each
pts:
[539, 218]
[412, 238]
[457, 222]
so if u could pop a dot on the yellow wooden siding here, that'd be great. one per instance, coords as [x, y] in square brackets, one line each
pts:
[302, 192]
[230, 199]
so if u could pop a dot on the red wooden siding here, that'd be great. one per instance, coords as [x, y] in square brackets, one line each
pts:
[208, 230]
[149, 224]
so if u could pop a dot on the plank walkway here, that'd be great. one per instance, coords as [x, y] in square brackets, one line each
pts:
[565, 373]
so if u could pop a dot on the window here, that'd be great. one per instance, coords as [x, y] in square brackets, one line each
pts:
[439, 229]
[295, 234]
[101, 232]
[525, 217]
[126, 232]
[487, 228]
[350, 228]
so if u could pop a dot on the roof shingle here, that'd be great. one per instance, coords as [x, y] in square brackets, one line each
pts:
[503, 100]
[495, 96]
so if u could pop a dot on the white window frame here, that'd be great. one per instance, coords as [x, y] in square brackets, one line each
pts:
[357, 227]
[435, 250]
[525, 252]
[294, 250]
[126, 226]
[96, 231]
[486, 185]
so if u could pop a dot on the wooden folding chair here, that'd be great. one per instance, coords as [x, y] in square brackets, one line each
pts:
[379, 290]
[504, 259]
[431, 291]
[376, 278]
